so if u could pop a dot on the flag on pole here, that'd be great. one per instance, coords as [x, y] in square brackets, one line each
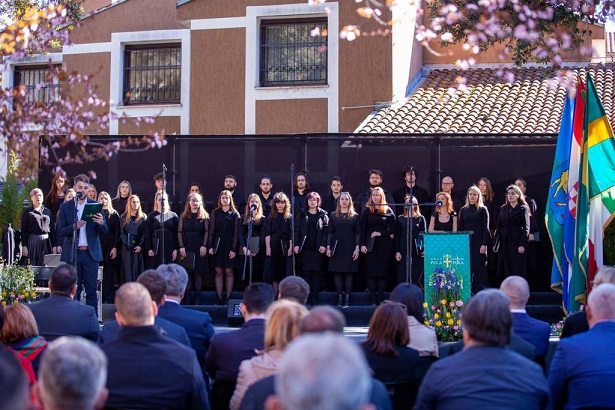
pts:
[557, 203]
[601, 176]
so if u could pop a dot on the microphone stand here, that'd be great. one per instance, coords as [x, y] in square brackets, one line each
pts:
[162, 208]
[248, 254]
[292, 212]
[75, 233]
[409, 233]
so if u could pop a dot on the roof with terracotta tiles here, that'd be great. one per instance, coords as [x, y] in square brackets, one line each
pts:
[531, 104]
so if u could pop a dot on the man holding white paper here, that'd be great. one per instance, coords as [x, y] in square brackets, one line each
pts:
[81, 244]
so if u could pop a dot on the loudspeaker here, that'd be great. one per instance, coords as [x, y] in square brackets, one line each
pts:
[233, 314]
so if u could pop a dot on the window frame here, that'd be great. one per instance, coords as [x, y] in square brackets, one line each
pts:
[51, 88]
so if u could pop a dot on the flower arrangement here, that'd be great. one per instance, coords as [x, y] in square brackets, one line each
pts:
[16, 284]
[557, 328]
[443, 311]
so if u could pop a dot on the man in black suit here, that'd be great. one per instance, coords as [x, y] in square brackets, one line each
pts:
[60, 315]
[486, 374]
[230, 183]
[228, 350]
[410, 176]
[155, 284]
[321, 319]
[197, 324]
[266, 194]
[375, 180]
[146, 369]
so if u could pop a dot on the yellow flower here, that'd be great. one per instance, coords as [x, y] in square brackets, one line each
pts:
[427, 323]
[459, 322]
[33, 294]
[15, 302]
[425, 305]
[450, 322]
[439, 324]
[4, 303]
[4, 293]
[443, 301]
[448, 314]
[436, 316]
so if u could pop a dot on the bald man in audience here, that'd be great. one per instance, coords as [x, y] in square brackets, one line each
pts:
[582, 373]
[146, 369]
[529, 329]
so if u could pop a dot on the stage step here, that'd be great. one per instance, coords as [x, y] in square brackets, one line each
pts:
[544, 306]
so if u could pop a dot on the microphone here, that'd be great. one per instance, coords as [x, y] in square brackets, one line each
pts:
[439, 203]
[164, 167]
[253, 207]
[79, 195]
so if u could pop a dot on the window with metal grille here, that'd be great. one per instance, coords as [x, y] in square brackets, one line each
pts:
[152, 74]
[293, 53]
[40, 85]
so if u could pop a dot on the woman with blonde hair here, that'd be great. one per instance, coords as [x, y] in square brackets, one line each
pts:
[474, 217]
[376, 240]
[110, 244]
[282, 323]
[444, 219]
[132, 237]
[193, 236]
[253, 214]
[120, 201]
[20, 333]
[343, 247]
[224, 243]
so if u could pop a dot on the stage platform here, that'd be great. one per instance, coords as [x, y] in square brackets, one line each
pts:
[544, 306]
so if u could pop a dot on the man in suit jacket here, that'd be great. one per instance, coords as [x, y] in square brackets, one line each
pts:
[532, 330]
[155, 284]
[582, 373]
[81, 243]
[486, 374]
[197, 324]
[375, 180]
[60, 315]
[228, 350]
[147, 370]
[410, 176]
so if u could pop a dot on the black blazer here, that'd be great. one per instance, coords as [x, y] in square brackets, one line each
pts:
[147, 370]
[228, 350]
[111, 329]
[59, 315]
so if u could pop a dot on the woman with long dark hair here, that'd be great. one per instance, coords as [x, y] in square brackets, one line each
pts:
[513, 234]
[474, 217]
[311, 242]
[193, 236]
[55, 196]
[110, 243]
[278, 241]
[493, 207]
[223, 242]
[419, 225]
[160, 232]
[133, 239]
[377, 229]
[253, 213]
[343, 247]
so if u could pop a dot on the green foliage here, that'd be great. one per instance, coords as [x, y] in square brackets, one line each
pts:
[13, 195]
[16, 284]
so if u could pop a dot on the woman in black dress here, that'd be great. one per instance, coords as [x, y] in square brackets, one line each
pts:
[493, 207]
[160, 232]
[193, 236]
[513, 234]
[124, 190]
[253, 213]
[311, 242]
[132, 236]
[53, 200]
[278, 241]
[401, 241]
[475, 217]
[37, 232]
[110, 243]
[223, 242]
[444, 219]
[377, 229]
[343, 247]
[534, 237]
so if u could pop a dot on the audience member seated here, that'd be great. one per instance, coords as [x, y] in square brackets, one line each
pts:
[146, 369]
[485, 375]
[422, 338]
[155, 284]
[529, 329]
[227, 350]
[282, 321]
[294, 288]
[321, 319]
[72, 376]
[391, 361]
[322, 372]
[19, 332]
[60, 315]
[197, 324]
[14, 392]
[577, 322]
[582, 373]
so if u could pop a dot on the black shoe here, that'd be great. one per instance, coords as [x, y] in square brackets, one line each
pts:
[339, 299]
[219, 302]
